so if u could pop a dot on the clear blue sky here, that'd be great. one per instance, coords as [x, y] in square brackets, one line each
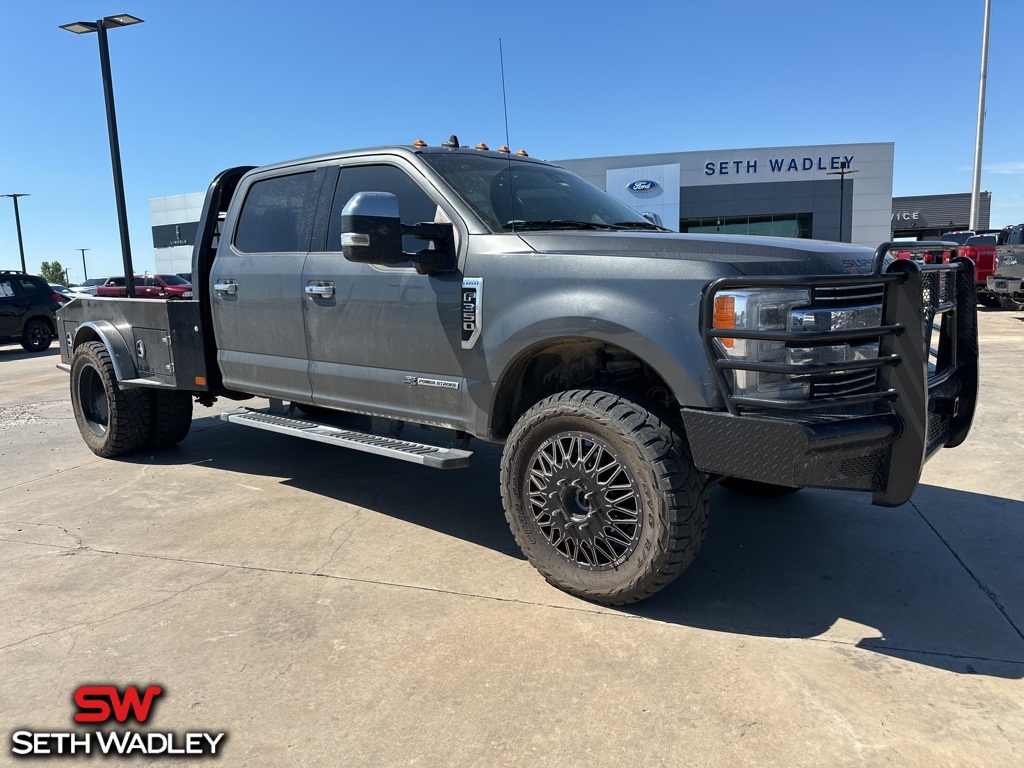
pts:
[205, 85]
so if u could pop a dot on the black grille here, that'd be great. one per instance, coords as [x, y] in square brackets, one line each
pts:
[849, 383]
[848, 295]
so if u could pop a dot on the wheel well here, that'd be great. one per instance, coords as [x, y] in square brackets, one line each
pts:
[84, 335]
[45, 318]
[570, 364]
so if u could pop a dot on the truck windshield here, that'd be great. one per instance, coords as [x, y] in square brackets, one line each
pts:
[518, 195]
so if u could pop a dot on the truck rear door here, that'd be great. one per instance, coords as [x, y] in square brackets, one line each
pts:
[255, 284]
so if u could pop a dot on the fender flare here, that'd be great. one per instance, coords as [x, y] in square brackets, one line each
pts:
[107, 334]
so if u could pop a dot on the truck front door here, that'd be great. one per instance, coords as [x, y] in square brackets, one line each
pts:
[384, 340]
[256, 285]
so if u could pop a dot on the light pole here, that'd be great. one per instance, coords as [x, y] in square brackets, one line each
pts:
[100, 27]
[976, 188]
[84, 270]
[842, 173]
[17, 223]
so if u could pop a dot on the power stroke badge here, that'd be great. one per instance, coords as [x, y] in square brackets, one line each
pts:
[472, 302]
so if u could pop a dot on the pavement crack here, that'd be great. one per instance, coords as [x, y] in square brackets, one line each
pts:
[991, 595]
[77, 539]
[711, 627]
[64, 471]
[118, 614]
[344, 541]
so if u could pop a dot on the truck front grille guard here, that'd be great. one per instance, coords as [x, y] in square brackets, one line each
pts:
[927, 361]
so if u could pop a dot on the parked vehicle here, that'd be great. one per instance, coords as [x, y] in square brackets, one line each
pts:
[960, 237]
[981, 249]
[1007, 284]
[89, 286]
[27, 310]
[148, 287]
[65, 294]
[462, 293]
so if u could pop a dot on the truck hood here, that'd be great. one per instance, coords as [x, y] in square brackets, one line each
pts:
[750, 255]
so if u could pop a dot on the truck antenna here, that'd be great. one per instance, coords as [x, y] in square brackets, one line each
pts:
[508, 147]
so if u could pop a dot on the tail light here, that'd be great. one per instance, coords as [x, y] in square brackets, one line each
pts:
[58, 298]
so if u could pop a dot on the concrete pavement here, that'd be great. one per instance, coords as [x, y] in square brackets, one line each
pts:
[326, 607]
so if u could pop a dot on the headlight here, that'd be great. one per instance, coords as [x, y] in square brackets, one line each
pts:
[760, 311]
[787, 310]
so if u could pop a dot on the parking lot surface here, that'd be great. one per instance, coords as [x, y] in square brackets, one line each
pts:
[327, 607]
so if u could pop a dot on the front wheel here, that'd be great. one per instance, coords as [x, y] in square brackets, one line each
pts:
[602, 496]
[1010, 303]
[113, 421]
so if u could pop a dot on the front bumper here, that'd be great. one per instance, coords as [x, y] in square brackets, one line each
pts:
[878, 438]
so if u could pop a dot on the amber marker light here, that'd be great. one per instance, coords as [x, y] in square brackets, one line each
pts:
[419, 143]
[504, 149]
[201, 381]
[522, 153]
[481, 145]
[725, 317]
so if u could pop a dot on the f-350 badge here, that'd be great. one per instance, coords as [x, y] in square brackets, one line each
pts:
[472, 302]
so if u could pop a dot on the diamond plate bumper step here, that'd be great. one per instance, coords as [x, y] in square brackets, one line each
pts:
[417, 453]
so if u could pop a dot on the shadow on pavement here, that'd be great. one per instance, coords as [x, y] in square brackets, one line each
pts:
[800, 566]
[17, 353]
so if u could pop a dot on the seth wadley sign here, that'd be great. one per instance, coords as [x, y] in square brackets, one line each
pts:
[777, 165]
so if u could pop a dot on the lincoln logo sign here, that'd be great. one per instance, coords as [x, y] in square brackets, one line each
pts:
[643, 185]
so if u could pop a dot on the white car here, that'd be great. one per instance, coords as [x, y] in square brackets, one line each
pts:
[67, 294]
[89, 286]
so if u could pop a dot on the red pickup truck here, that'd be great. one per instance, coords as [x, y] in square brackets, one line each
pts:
[148, 287]
[982, 250]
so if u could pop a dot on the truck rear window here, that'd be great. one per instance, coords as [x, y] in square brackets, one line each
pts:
[272, 219]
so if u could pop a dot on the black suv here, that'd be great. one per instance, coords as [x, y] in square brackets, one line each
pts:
[27, 310]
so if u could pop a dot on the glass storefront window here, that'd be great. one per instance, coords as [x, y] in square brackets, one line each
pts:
[780, 225]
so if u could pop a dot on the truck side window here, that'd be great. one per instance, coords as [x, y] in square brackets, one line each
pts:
[273, 215]
[414, 205]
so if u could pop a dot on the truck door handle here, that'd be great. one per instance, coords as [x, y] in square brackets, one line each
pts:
[324, 289]
[228, 286]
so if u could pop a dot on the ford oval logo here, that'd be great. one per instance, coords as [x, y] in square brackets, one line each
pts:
[643, 185]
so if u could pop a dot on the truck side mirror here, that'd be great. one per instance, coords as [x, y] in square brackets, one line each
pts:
[371, 229]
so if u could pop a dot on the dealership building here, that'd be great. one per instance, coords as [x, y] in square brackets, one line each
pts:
[808, 191]
[826, 192]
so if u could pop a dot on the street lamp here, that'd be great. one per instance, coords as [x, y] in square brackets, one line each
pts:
[17, 223]
[101, 26]
[842, 173]
[976, 188]
[84, 270]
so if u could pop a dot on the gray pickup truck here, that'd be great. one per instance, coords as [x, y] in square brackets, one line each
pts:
[1007, 284]
[403, 300]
